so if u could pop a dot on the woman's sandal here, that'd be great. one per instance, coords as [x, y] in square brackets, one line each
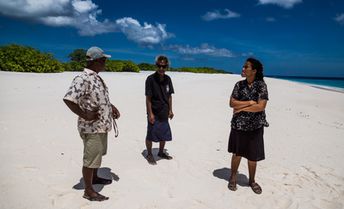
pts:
[98, 198]
[232, 186]
[256, 188]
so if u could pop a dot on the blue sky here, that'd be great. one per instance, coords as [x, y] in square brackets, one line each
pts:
[290, 37]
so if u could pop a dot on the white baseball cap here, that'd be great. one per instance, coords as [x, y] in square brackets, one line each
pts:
[94, 53]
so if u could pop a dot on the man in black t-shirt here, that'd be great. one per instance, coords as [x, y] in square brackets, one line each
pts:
[158, 91]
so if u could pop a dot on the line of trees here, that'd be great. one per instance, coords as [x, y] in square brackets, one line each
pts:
[27, 59]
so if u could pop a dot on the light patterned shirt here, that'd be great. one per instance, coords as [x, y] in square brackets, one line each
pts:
[89, 91]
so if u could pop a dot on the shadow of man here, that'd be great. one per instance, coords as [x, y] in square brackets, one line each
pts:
[155, 152]
[103, 173]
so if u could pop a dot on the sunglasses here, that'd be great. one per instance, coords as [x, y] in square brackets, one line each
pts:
[101, 60]
[162, 66]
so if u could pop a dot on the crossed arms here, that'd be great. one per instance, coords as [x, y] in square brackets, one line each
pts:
[247, 106]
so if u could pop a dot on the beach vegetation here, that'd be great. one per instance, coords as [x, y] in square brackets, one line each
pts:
[27, 59]
[121, 66]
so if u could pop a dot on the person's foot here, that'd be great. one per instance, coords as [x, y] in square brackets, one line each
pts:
[94, 196]
[164, 156]
[98, 180]
[232, 184]
[255, 187]
[151, 159]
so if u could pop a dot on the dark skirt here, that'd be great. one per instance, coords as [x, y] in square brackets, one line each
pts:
[159, 131]
[248, 144]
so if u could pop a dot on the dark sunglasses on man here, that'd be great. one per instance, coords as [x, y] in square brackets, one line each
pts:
[162, 66]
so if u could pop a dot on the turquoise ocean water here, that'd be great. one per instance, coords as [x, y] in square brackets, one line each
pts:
[332, 83]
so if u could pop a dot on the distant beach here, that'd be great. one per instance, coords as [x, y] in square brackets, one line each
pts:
[331, 84]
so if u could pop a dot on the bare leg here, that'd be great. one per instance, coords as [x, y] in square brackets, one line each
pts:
[161, 151]
[252, 165]
[234, 166]
[89, 192]
[87, 173]
[162, 146]
[149, 156]
[149, 147]
[234, 170]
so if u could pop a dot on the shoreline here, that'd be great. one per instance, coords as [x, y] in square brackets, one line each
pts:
[339, 90]
[322, 87]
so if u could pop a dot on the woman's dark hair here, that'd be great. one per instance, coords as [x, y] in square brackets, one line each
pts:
[257, 65]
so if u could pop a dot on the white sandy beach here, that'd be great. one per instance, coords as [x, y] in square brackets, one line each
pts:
[41, 150]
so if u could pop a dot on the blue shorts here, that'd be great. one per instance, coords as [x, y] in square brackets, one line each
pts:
[159, 131]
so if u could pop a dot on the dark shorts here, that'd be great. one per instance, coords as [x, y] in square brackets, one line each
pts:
[159, 131]
[248, 144]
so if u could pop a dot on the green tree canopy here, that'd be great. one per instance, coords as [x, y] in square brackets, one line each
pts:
[26, 59]
[77, 60]
[78, 55]
[121, 66]
[129, 66]
[199, 70]
[146, 67]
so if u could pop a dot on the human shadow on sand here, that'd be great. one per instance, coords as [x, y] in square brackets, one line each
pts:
[224, 173]
[103, 173]
[155, 152]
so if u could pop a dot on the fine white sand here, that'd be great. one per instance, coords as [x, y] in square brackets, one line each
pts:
[41, 151]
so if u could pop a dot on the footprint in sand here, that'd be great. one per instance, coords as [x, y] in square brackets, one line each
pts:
[29, 168]
[303, 115]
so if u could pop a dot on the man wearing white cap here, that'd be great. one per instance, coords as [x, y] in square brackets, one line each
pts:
[88, 97]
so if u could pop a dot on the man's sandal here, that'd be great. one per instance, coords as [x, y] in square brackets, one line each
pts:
[151, 159]
[164, 156]
[98, 198]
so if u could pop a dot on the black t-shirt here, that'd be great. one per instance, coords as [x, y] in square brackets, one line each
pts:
[249, 121]
[160, 91]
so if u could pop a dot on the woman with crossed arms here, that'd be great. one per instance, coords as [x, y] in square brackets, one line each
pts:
[248, 100]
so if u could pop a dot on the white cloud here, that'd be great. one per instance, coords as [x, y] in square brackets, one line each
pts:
[82, 15]
[287, 4]
[204, 49]
[145, 34]
[340, 19]
[209, 16]
[57, 21]
[84, 6]
[34, 8]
